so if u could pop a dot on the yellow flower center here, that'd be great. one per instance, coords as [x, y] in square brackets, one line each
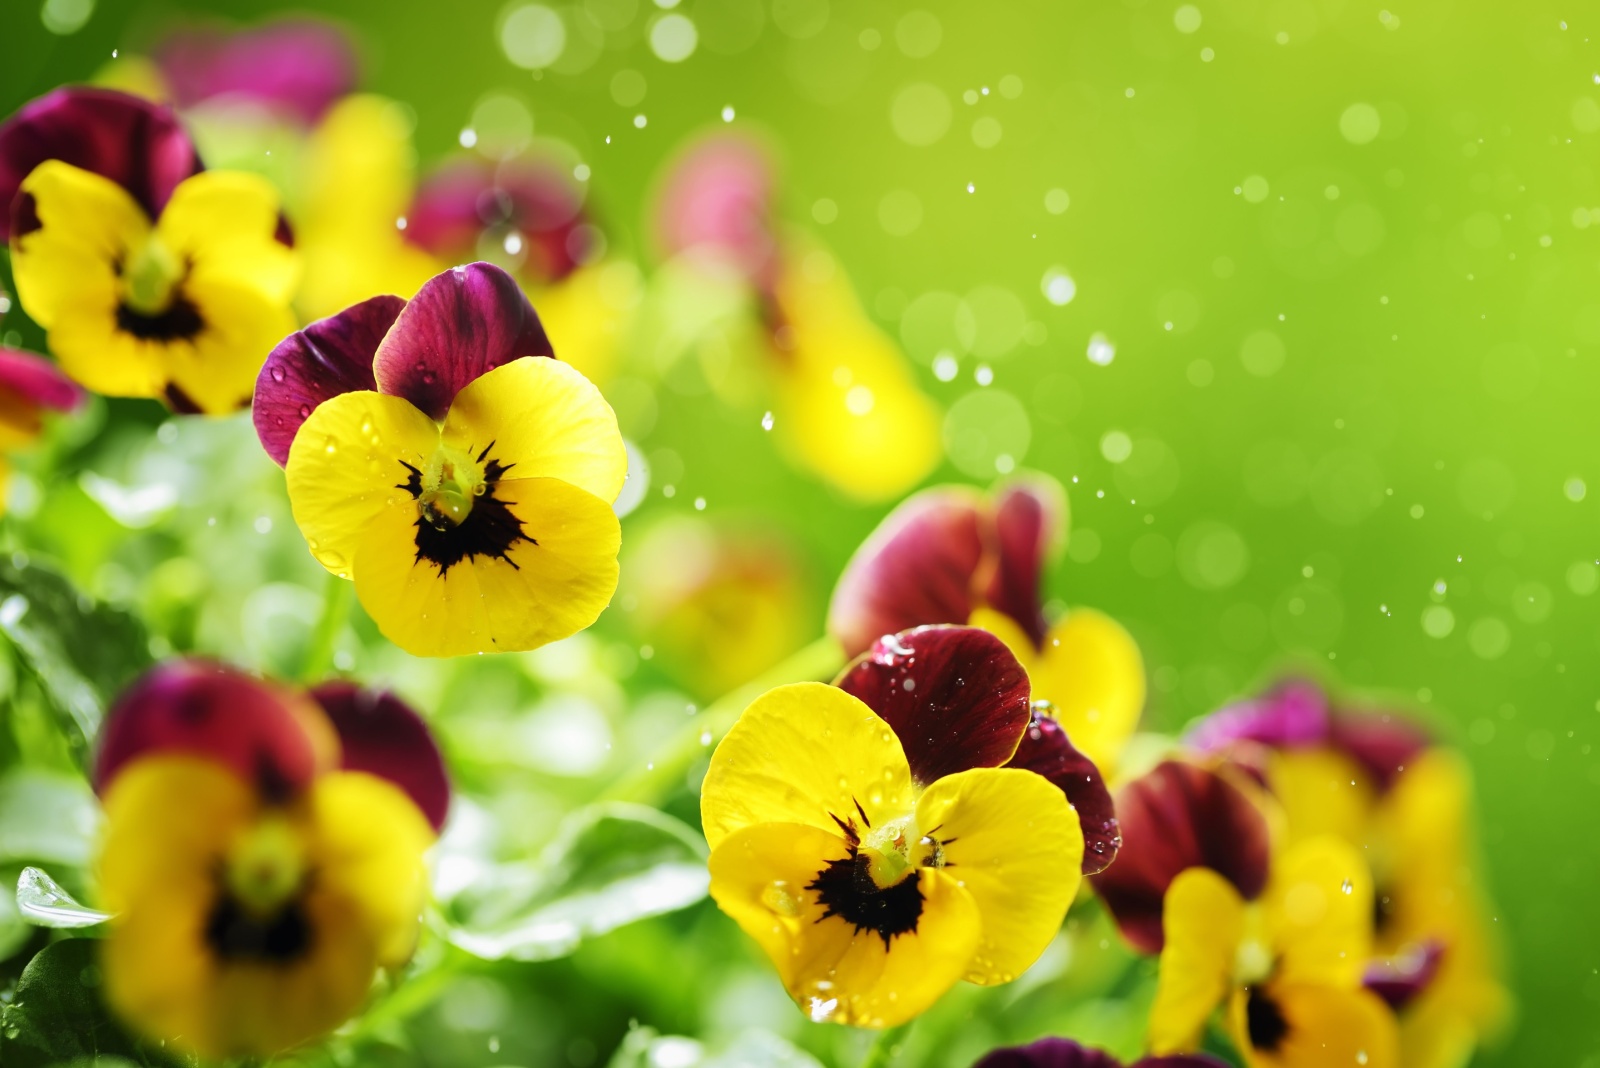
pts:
[266, 865]
[449, 484]
[150, 277]
[896, 848]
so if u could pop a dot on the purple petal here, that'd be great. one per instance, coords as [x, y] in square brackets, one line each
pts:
[718, 195]
[1383, 743]
[327, 358]
[955, 696]
[460, 325]
[1047, 750]
[381, 735]
[1293, 715]
[1175, 817]
[1400, 979]
[266, 735]
[38, 380]
[539, 202]
[1027, 520]
[299, 65]
[137, 144]
[1065, 1053]
[917, 568]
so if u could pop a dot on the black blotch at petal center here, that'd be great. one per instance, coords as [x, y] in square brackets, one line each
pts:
[235, 935]
[846, 887]
[489, 530]
[180, 322]
[1264, 1021]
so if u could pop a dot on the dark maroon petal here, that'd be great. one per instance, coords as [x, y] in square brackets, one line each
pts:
[38, 380]
[718, 195]
[1400, 979]
[266, 735]
[955, 696]
[1049, 1053]
[1175, 817]
[1383, 743]
[381, 735]
[917, 568]
[137, 144]
[533, 200]
[1046, 749]
[444, 216]
[1027, 520]
[299, 65]
[1180, 1060]
[1292, 715]
[327, 358]
[460, 325]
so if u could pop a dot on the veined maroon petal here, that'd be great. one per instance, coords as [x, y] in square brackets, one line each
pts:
[297, 65]
[916, 569]
[1065, 1053]
[329, 357]
[381, 735]
[137, 144]
[1383, 743]
[718, 194]
[445, 217]
[1290, 716]
[460, 325]
[1027, 520]
[1046, 749]
[39, 380]
[956, 697]
[1400, 979]
[266, 735]
[1175, 817]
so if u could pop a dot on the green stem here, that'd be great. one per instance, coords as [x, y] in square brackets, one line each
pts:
[656, 781]
[887, 1047]
[335, 610]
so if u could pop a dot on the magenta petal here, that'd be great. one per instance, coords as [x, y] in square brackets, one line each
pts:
[137, 144]
[917, 568]
[718, 195]
[466, 198]
[296, 65]
[205, 709]
[1292, 715]
[1179, 816]
[327, 358]
[39, 380]
[1383, 743]
[460, 325]
[1027, 520]
[955, 696]
[446, 216]
[1065, 1053]
[1398, 980]
[1047, 750]
[381, 735]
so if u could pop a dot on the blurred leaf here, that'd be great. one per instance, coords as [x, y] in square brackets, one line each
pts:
[46, 817]
[80, 652]
[56, 1013]
[14, 931]
[43, 903]
[644, 1048]
[610, 865]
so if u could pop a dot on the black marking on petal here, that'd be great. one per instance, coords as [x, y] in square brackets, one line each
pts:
[863, 813]
[1383, 910]
[180, 322]
[1264, 1020]
[490, 529]
[413, 482]
[179, 401]
[846, 887]
[24, 216]
[235, 935]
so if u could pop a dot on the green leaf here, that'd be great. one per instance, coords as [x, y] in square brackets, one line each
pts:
[47, 817]
[57, 1013]
[642, 1047]
[609, 865]
[43, 903]
[80, 652]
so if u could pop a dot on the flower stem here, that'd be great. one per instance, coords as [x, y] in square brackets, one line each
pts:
[652, 784]
[887, 1047]
[335, 610]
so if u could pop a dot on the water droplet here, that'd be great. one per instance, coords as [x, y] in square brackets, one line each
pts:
[766, 421]
[1347, 887]
[277, 373]
[305, 411]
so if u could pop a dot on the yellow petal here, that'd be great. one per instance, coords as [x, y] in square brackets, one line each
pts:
[67, 267]
[1015, 845]
[103, 359]
[1325, 1028]
[1091, 670]
[587, 315]
[834, 972]
[553, 585]
[1319, 913]
[545, 420]
[1322, 792]
[805, 753]
[217, 370]
[222, 223]
[1203, 918]
[345, 468]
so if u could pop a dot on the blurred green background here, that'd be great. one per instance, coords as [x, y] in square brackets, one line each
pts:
[1347, 264]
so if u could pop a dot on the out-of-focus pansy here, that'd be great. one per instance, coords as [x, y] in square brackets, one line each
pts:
[263, 855]
[296, 67]
[718, 604]
[436, 456]
[952, 555]
[30, 386]
[1374, 778]
[716, 200]
[1176, 817]
[1065, 1053]
[179, 306]
[1287, 970]
[874, 847]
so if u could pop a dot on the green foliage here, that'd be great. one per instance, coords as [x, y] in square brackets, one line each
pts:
[56, 1014]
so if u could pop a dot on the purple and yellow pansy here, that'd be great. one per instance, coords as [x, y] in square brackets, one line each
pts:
[439, 457]
[1065, 1053]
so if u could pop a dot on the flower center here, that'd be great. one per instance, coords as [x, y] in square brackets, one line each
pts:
[265, 866]
[449, 485]
[150, 278]
[458, 515]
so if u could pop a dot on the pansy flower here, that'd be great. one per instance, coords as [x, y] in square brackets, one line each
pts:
[872, 839]
[440, 459]
[1375, 779]
[295, 67]
[953, 555]
[146, 286]
[1065, 1053]
[263, 854]
[29, 387]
